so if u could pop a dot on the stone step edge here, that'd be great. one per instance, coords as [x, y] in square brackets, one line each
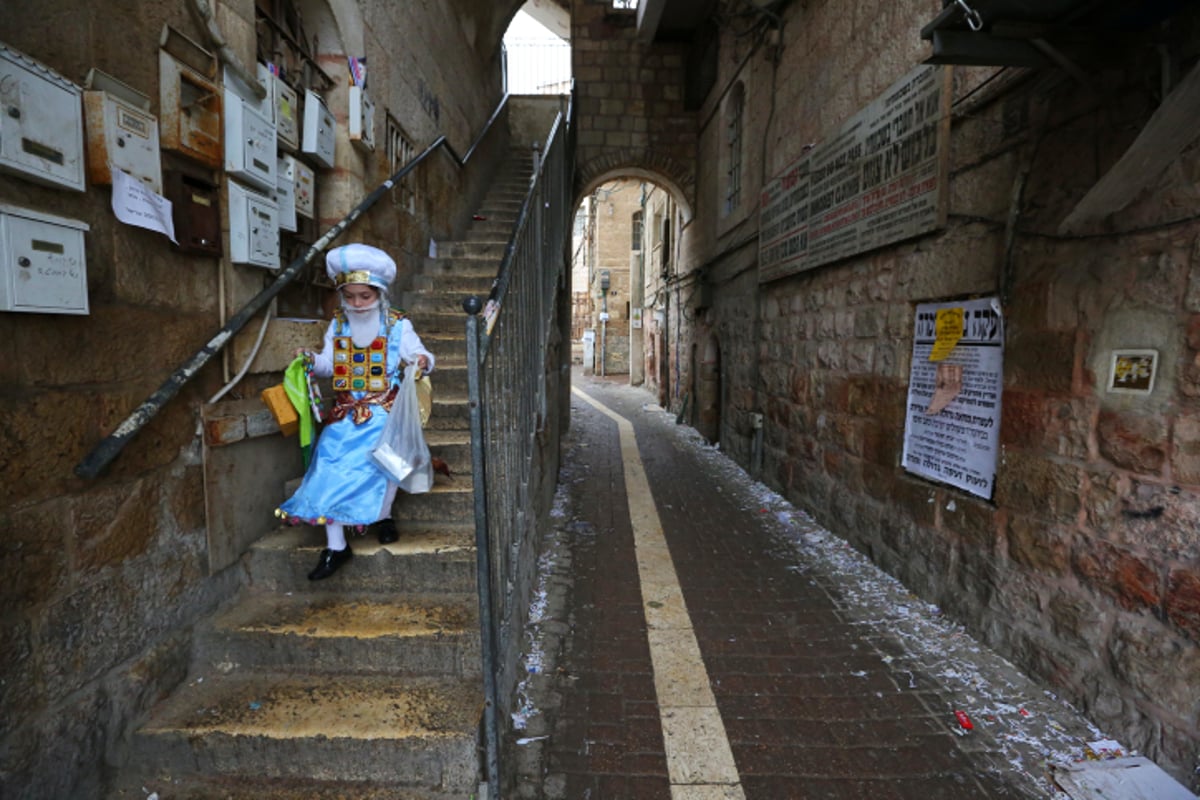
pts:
[247, 787]
[454, 541]
[244, 705]
[237, 614]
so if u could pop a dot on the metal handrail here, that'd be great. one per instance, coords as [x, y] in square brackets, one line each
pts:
[110, 447]
[506, 386]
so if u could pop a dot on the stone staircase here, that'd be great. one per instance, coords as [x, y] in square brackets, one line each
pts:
[366, 685]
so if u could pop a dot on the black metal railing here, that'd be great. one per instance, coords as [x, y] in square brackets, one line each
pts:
[110, 447]
[507, 373]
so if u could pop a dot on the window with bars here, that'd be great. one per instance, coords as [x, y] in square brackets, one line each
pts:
[636, 238]
[733, 156]
[283, 42]
[400, 150]
[733, 127]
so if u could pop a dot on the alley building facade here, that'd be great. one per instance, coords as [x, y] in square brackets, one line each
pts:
[846, 195]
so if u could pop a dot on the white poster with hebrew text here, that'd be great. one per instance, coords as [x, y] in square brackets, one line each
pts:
[952, 422]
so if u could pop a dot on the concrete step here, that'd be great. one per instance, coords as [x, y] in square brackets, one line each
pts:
[450, 413]
[442, 322]
[479, 250]
[242, 787]
[427, 559]
[460, 285]
[449, 502]
[453, 447]
[491, 229]
[445, 300]
[449, 378]
[339, 633]
[412, 732]
[475, 266]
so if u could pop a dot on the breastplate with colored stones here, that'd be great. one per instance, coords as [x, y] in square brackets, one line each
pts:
[359, 369]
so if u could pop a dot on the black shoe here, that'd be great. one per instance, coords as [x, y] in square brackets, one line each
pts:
[386, 531]
[329, 562]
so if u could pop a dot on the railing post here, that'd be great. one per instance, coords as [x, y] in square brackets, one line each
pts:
[483, 560]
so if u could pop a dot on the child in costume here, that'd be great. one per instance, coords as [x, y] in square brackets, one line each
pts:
[367, 346]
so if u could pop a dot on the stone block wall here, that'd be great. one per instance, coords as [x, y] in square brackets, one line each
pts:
[630, 107]
[1084, 566]
[103, 579]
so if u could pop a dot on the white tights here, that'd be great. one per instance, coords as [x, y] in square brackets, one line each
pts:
[335, 536]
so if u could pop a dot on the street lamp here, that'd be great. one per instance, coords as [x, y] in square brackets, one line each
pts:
[604, 284]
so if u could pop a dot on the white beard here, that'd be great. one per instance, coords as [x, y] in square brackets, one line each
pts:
[364, 323]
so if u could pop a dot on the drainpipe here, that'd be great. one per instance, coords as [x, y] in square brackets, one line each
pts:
[204, 12]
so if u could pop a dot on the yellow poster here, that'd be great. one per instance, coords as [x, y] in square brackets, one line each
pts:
[949, 331]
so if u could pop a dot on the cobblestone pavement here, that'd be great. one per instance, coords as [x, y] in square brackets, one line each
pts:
[832, 681]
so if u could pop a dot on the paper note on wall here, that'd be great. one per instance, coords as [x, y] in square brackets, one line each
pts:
[949, 331]
[135, 204]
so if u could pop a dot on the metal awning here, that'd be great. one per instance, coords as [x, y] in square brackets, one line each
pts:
[1036, 33]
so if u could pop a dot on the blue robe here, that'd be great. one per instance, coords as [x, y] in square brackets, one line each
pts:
[342, 483]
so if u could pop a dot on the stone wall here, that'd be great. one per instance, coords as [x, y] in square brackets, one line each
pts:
[103, 579]
[630, 103]
[1084, 568]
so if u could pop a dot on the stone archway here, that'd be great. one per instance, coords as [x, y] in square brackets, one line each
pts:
[707, 382]
[660, 170]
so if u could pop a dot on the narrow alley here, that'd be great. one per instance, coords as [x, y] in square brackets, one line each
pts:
[830, 679]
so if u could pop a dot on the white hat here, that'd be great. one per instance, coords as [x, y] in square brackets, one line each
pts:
[360, 263]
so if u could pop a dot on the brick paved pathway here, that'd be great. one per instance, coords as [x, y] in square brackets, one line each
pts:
[815, 703]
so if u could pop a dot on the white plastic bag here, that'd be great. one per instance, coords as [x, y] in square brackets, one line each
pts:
[401, 451]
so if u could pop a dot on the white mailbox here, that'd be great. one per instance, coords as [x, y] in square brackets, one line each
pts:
[320, 132]
[249, 142]
[287, 116]
[41, 123]
[362, 119]
[304, 181]
[121, 132]
[253, 228]
[285, 193]
[42, 264]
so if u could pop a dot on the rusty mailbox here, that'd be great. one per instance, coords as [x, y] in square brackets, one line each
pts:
[196, 210]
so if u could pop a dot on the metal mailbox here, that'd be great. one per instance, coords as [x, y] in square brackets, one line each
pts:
[304, 183]
[41, 123]
[121, 132]
[287, 115]
[362, 119]
[43, 268]
[253, 228]
[196, 211]
[320, 132]
[249, 142]
[189, 99]
[285, 193]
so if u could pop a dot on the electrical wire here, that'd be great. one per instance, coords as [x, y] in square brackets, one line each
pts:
[262, 332]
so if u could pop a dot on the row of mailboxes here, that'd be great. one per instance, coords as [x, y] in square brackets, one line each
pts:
[42, 132]
[196, 204]
[42, 263]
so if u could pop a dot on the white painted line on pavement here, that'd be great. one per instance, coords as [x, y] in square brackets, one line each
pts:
[699, 760]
